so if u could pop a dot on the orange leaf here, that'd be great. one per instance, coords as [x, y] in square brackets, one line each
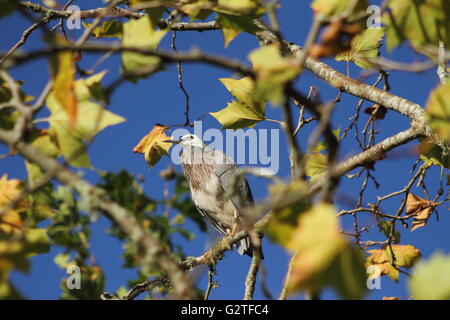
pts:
[64, 84]
[420, 208]
[153, 146]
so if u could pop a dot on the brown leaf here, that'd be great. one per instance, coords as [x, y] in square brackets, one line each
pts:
[153, 146]
[377, 111]
[405, 256]
[335, 38]
[420, 208]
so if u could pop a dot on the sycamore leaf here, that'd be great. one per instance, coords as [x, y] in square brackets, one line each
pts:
[237, 115]
[91, 119]
[323, 257]
[238, 7]
[434, 155]
[64, 84]
[10, 221]
[140, 33]
[109, 29]
[420, 208]
[232, 25]
[283, 222]
[316, 165]
[273, 72]
[438, 111]
[422, 23]
[153, 146]
[431, 279]
[405, 256]
[335, 8]
[364, 45]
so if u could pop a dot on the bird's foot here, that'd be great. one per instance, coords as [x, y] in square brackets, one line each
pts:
[225, 242]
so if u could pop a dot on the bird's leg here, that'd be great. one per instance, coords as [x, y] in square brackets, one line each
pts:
[231, 232]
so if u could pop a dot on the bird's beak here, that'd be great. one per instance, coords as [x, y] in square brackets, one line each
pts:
[173, 141]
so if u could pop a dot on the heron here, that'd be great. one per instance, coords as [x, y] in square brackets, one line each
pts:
[218, 191]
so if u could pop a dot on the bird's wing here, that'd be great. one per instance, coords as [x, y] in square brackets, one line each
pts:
[212, 220]
[227, 172]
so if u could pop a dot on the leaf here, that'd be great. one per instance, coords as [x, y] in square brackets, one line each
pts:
[91, 119]
[237, 115]
[364, 45]
[7, 7]
[273, 72]
[232, 25]
[153, 146]
[431, 279]
[323, 257]
[335, 8]
[283, 222]
[64, 84]
[422, 23]
[405, 256]
[434, 155]
[316, 165]
[140, 33]
[376, 111]
[438, 111]
[420, 208]
[11, 221]
[238, 7]
[109, 29]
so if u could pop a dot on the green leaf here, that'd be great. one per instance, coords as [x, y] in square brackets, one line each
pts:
[316, 165]
[422, 23]
[438, 111]
[7, 7]
[431, 280]
[140, 33]
[237, 115]
[109, 29]
[364, 45]
[232, 25]
[273, 72]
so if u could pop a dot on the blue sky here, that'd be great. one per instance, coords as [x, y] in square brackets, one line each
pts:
[158, 100]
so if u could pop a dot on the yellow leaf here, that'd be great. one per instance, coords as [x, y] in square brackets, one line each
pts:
[140, 33]
[405, 256]
[64, 84]
[273, 72]
[316, 165]
[237, 115]
[335, 8]
[316, 242]
[10, 221]
[153, 146]
[438, 111]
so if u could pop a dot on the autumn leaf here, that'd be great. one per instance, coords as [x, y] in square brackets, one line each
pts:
[323, 257]
[376, 111]
[438, 111]
[405, 256]
[391, 298]
[273, 72]
[316, 165]
[140, 33]
[64, 84]
[10, 221]
[92, 118]
[420, 208]
[335, 8]
[153, 146]
[364, 45]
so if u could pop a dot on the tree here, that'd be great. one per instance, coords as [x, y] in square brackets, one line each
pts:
[335, 239]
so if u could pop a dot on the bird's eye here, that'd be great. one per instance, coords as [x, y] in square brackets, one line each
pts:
[191, 137]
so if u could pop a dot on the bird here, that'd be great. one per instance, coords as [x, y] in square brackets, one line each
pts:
[218, 191]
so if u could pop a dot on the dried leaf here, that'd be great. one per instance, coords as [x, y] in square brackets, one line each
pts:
[153, 146]
[10, 221]
[378, 112]
[420, 208]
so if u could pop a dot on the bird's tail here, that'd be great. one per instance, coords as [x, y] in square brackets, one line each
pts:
[245, 247]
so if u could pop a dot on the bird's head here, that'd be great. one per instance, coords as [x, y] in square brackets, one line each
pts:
[189, 140]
